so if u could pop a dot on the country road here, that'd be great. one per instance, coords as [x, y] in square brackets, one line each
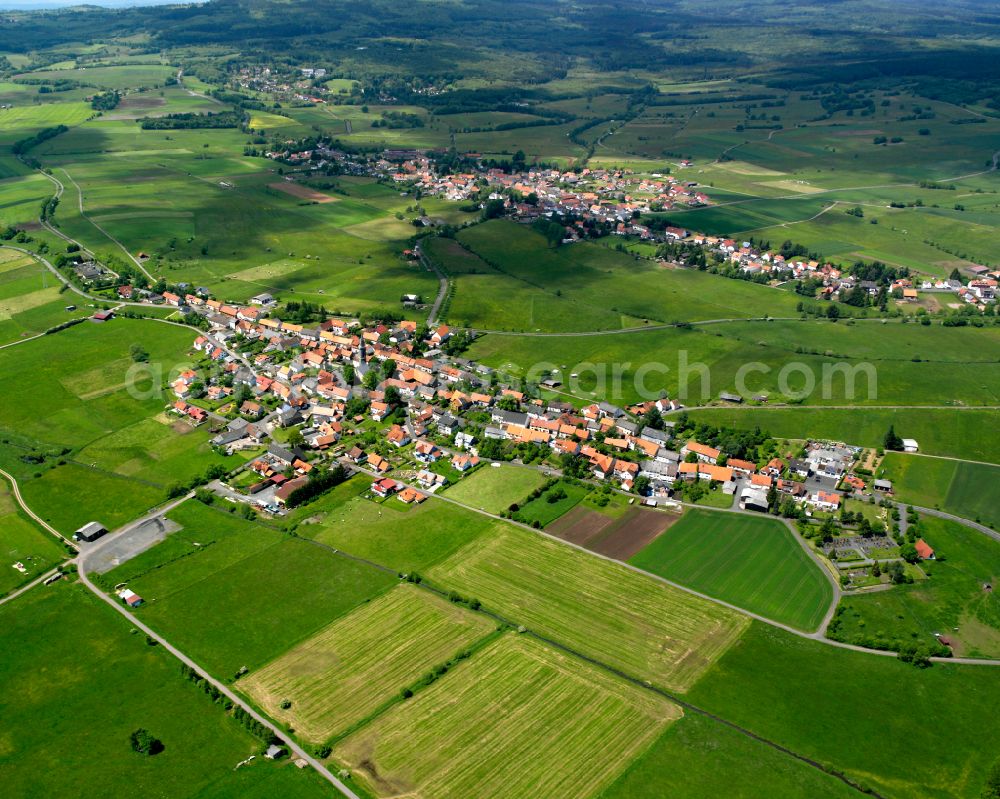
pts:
[16, 491]
[82, 563]
[122, 304]
[41, 578]
[59, 192]
[432, 317]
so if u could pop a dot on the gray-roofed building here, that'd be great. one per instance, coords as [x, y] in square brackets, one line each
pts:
[91, 531]
[607, 409]
[754, 499]
[280, 452]
[627, 427]
[509, 417]
[657, 470]
[665, 455]
[655, 436]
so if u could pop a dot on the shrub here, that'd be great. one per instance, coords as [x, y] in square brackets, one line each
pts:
[144, 743]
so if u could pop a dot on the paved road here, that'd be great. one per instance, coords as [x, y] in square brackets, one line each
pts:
[982, 528]
[669, 325]
[295, 749]
[82, 566]
[40, 579]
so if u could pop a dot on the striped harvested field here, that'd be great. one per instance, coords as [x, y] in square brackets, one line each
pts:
[518, 719]
[349, 669]
[599, 608]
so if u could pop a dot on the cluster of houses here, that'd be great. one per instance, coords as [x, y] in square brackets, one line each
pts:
[441, 407]
[613, 196]
[979, 289]
[602, 194]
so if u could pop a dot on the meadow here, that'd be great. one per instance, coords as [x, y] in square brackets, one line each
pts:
[266, 591]
[959, 487]
[697, 757]
[30, 299]
[210, 216]
[72, 666]
[495, 489]
[954, 432]
[109, 453]
[404, 538]
[518, 718]
[528, 286]
[599, 608]
[792, 691]
[951, 602]
[363, 660]
[544, 512]
[22, 541]
[696, 365]
[753, 562]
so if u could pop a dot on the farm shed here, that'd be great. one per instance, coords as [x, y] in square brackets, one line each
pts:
[91, 531]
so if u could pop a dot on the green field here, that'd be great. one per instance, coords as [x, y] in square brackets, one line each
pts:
[494, 489]
[951, 602]
[959, 487]
[753, 562]
[698, 757]
[791, 690]
[518, 719]
[696, 365]
[349, 669]
[22, 541]
[73, 671]
[597, 607]
[508, 279]
[544, 512]
[402, 538]
[940, 431]
[86, 432]
[209, 215]
[265, 591]
[30, 300]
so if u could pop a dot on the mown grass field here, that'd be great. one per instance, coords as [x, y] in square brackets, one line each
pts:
[22, 541]
[952, 432]
[240, 594]
[363, 660]
[752, 562]
[73, 671]
[952, 602]
[597, 607]
[405, 539]
[517, 719]
[791, 690]
[494, 489]
[30, 301]
[110, 451]
[959, 487]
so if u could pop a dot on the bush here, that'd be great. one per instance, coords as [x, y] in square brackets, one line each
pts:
[144, 743]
